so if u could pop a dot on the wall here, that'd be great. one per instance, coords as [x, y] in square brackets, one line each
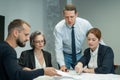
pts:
[52, 15]
[105, 15]
[43, 15]
[28, 10]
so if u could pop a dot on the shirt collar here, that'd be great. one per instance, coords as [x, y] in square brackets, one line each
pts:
[94, 53]
[72, 25]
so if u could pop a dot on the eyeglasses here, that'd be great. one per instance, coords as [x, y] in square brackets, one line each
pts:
[39, 41]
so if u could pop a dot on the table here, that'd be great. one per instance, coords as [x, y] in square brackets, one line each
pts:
[72, 75]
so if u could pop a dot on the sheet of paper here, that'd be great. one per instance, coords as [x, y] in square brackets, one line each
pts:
[66, 75]
[63, 73]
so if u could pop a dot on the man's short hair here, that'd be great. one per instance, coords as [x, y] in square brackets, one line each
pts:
[17, 23]
[70, 7]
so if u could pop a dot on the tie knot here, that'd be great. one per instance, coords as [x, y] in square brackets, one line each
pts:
[72, 28]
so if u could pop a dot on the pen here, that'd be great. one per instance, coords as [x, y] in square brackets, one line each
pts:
[65, 70]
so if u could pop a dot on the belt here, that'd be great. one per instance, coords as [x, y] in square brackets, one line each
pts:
[71, 54]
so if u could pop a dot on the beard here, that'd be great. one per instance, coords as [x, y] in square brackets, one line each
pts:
[19, 43]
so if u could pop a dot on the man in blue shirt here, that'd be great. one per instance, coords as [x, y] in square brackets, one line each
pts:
[63, 39]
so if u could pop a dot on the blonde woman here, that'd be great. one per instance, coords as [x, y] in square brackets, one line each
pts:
[36, 57]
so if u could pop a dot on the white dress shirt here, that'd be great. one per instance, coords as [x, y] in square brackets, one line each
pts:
[62, 34]
[93, 60]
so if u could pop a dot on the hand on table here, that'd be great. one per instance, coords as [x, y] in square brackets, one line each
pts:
[79, 67]
[87, 70]
[64, 69]
[50, 71]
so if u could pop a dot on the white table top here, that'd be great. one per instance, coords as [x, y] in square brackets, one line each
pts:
[72, 75]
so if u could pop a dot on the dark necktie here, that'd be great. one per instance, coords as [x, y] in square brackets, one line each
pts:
[73, 46]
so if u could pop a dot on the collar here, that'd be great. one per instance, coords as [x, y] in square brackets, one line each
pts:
[94, 53]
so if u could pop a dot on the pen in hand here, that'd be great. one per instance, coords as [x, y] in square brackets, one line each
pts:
[65, 70]
[80, 70]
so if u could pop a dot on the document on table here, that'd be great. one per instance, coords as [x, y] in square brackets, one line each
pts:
[66, 75]
[63, 73]
[72, 75]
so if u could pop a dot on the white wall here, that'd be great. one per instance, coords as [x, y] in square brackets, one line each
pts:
[28, 10]
[104, 14]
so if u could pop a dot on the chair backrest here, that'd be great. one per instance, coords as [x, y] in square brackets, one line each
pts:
[117, 69]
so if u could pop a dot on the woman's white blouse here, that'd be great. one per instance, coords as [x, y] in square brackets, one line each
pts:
[38, 65]
[93, 60]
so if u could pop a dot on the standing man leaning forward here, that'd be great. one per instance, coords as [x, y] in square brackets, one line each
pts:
[62, 33]
[18, 35]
